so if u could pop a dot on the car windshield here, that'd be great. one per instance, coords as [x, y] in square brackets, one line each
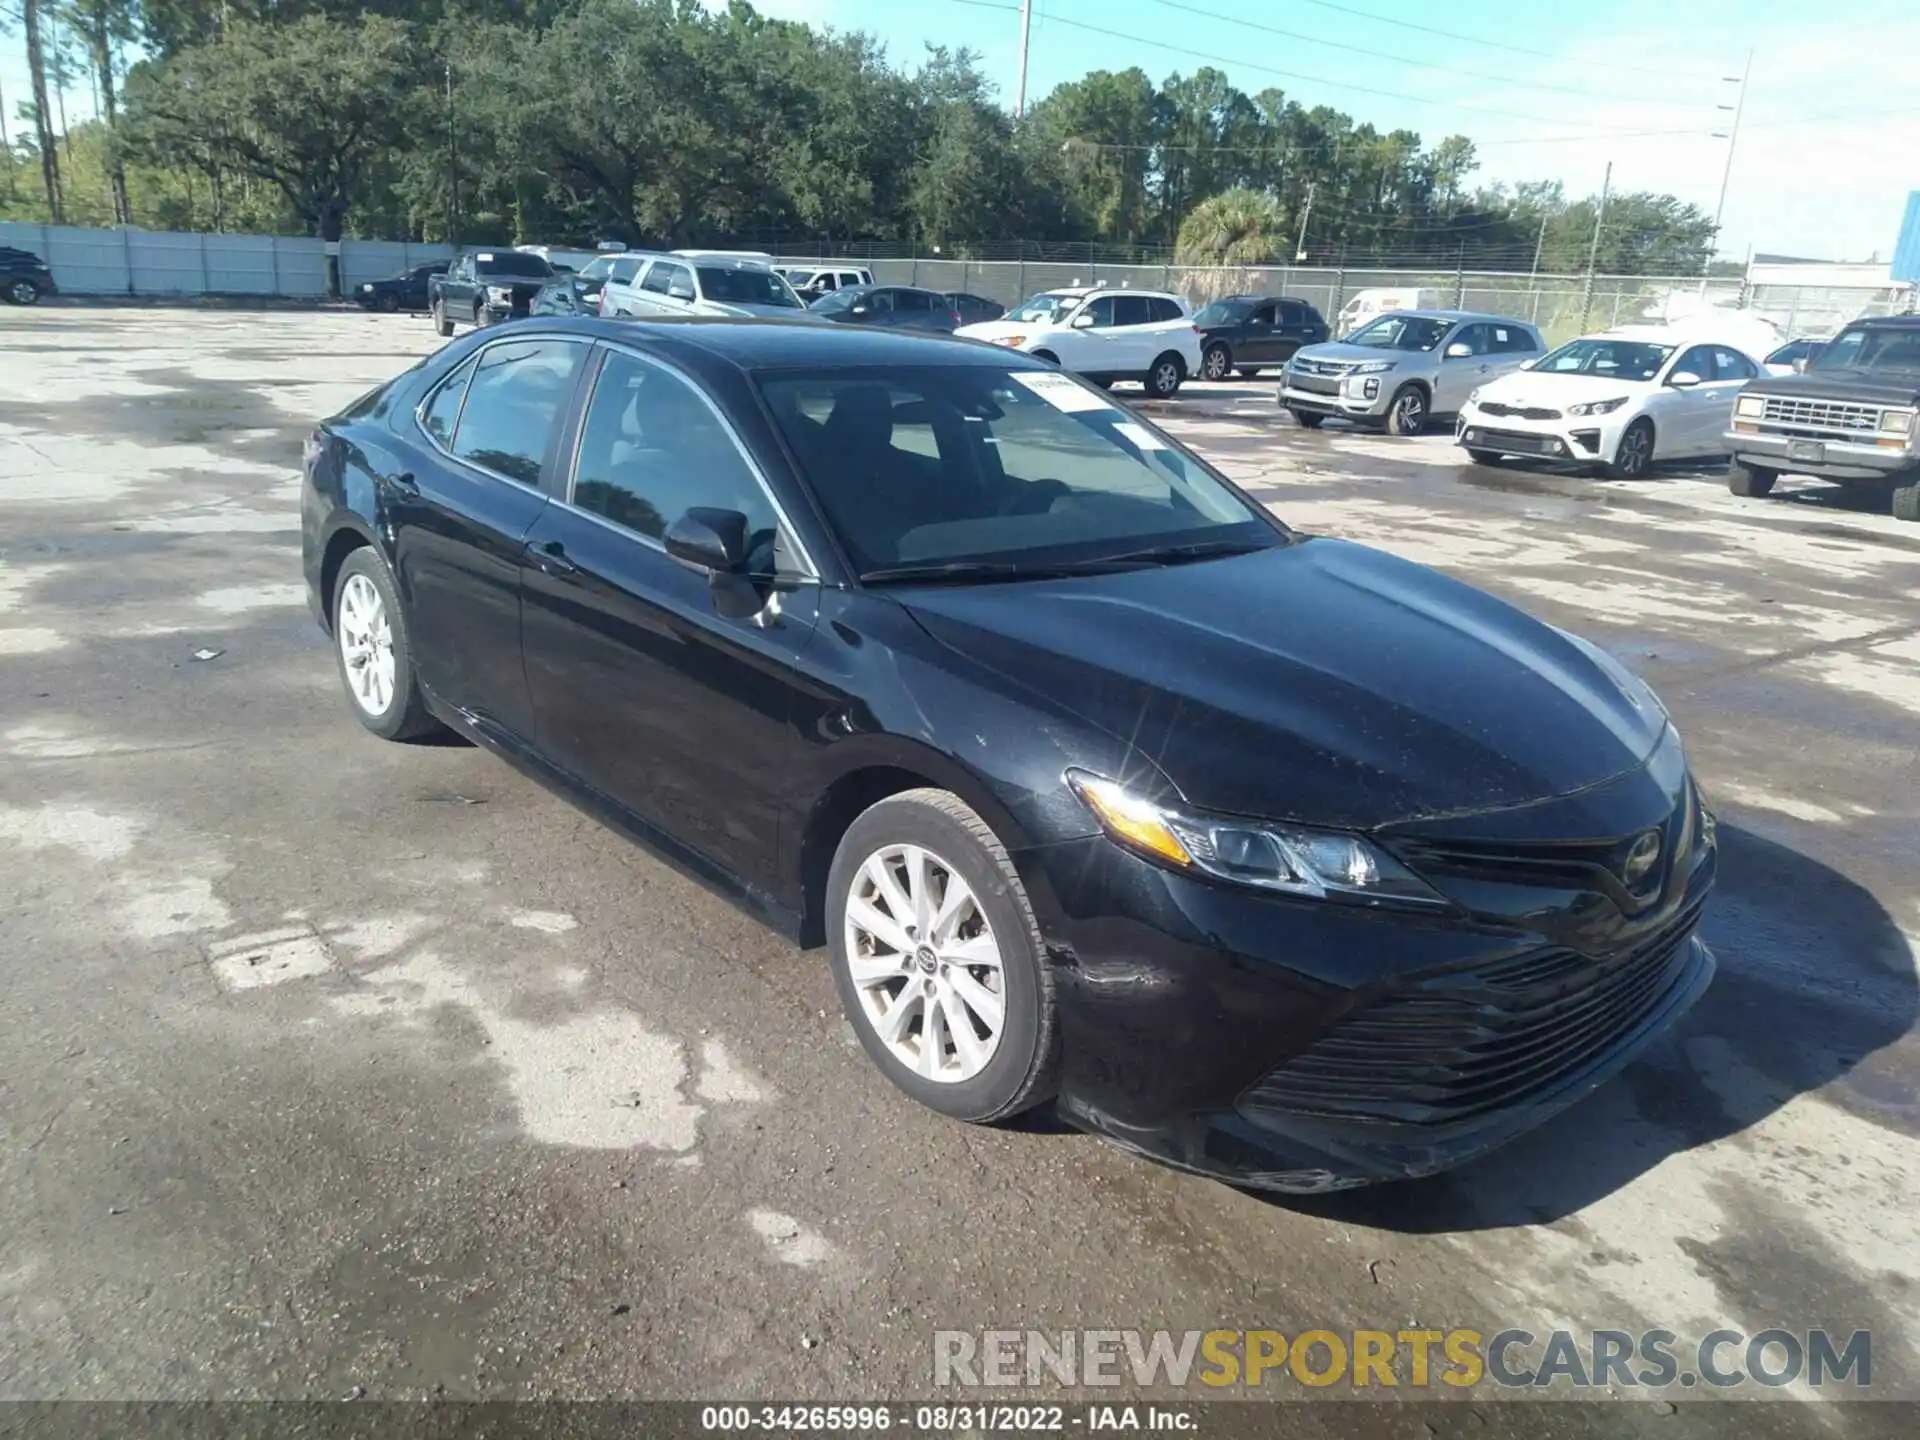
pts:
[513, 262]
[1223, 312]
[836, 300]
[1611, 359]
[931, 472]
[1044, 309]
[743, 285]
[597, 268]
[1871, 349]
[1401, 332]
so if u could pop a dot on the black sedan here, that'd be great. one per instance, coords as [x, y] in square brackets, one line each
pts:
[24, 276]
[1272, 856]
[896, 307]
[1249, 333]
[405, 291]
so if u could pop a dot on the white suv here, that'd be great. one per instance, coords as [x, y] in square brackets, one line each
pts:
[699, 285]
[1105, 335]
[813, 281]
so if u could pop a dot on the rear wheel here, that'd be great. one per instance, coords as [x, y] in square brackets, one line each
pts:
[442, 325]
[938, 960]
[1750, 480]
[1634, 456]
[1163, 380]
[1906, 501]
[376, 659]
[1407, 411]
[1307, 419]
[1215, 364]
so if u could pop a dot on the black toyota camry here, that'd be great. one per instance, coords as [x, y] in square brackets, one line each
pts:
[1272, 856]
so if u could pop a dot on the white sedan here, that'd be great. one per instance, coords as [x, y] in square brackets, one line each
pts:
[1618, 400]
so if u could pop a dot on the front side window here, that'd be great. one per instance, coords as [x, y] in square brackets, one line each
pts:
[1477, 338]
[1046, 308]
[1697, 361]
[514, 401]
[1015, 469]
[880, 302]
[651, 449]
[1222, 312]
[624, 269]
[655, 281]
[1401, 332]
[1102, 311]
[1614, 359]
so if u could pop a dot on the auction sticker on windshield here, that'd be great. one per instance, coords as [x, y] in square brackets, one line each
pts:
[1061, 391]
[1138, 436]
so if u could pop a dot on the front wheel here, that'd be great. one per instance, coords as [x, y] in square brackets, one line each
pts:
[442, 322]
[1906, 501]
[23, 292]
[1215, 364]
[376, 658]
[388, 302]
[1407, 411]
[1307, 419]
[1634, 457]
[481, 316]
[938, 960]
[1750, 480]
[1163, 380]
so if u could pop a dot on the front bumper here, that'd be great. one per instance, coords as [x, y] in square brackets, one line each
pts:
[1201, 1023]
[1576, 438]
[1828, 459]
[1351, 400]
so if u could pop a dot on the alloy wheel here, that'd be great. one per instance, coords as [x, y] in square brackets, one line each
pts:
[1636, 450]
[366, 645]
[1166, 378]
[1409, 412]
[1215, 367]
[925, 966]
[23, 292]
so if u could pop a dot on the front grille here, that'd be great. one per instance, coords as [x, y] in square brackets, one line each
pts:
[1451, 1046]
[1521, 412]
[1519, 442]
[1823, 415]
[1314, 385]
[1318, 367]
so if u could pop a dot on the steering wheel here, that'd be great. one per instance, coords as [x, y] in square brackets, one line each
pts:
[1033, 497]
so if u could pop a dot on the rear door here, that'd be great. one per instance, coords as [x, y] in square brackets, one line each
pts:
[913, 310]
[1258, 342]
[1299, 325]
[641, 689]
[483, 443]
[1133, 327]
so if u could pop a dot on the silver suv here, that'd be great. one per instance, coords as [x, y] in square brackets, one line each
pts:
[1405, 367]
[705, 284]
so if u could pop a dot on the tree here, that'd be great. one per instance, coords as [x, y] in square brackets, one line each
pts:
[1239, 227]
[103, 25]
[305, 106]
[30, 17]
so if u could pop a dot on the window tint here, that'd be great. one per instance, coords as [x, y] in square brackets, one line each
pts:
[1262, 315]
[624, 269]
[912, 300]
[1292, 312]
[655, 280]
[1131, 310]
[652, 449]
[1699, 360]
[1508, 339]
[1102, 312]
[1732, 365]
[1476, 338]
[444, 408]
[878, 301]
[1163, 309]
[514, 400]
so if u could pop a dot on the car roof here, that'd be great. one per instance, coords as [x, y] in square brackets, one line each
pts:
[769, 343]
[1461, 315]
[1887, 322]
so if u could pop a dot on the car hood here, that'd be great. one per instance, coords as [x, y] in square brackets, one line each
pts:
[1528, 389]
[1001, 329]
[1321, 681]
[1881, 387]
[1339, 351]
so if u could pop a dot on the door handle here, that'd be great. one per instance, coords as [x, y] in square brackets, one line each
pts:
[550, 558]
[405, 483]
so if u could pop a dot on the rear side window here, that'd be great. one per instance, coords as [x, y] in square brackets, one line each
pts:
[1160, 308]
[444, 408]
[514, 401]
[652, 449]
[1510, 338]
[1131, 310]
[1732, 365]
[912, 300]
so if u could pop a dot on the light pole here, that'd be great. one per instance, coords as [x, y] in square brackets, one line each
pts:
[1026, 29]
[1732, 137]
[453, 167]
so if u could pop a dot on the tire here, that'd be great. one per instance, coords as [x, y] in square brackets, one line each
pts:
[481, 318]
[1162, 380]
[1906, 501]
[387, 303]
[1407, 411]
[1215, 362]
[1021, 1060]
[1633, 457]
[23, 291]
[442, 326]
[1750, 480]
[1307, 419]
[1484, 457]
[357, 625]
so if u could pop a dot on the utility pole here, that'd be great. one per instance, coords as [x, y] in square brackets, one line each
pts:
[1739, 108]
[453, 167]
[1593, 251]
[1026, 29]
[1300, 248]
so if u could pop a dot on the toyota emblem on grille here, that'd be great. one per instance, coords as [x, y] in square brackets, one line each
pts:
[1641, 859]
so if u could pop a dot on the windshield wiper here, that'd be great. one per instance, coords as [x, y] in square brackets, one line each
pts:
[960, 571]
[1194, 550]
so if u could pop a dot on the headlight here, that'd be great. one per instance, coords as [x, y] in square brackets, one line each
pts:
[1597, 407]
[1374, 367]
[1292, 859]
[1014, 341]
[500, 294]
[367, 288]
[1896, 422]
[1750, 406]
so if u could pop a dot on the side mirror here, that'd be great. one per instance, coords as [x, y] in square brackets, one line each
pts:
[1083, 321]
[1459, 350]
[716, 541]
[1800, 365]
[1683, 380]
[862, 309]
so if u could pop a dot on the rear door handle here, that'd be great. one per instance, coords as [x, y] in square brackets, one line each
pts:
[550, 558]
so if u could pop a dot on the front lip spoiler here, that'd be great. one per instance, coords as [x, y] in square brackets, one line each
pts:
[1318, 1156]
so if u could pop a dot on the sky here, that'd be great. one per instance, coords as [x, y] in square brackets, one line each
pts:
[1829, 141]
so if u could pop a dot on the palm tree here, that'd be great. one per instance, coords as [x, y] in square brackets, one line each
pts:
[1238, 227]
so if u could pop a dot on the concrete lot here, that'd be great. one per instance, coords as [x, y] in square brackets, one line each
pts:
[510, 1109]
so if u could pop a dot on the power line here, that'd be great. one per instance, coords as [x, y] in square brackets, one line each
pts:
[1377, 54]
[1399, 24]
[1267, 69]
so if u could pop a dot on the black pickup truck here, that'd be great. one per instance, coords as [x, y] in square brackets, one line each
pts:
[1852, 417]
[484, 286]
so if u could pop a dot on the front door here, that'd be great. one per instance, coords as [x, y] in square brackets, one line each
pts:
[1460, 375]
[640, 688]
[460, 514]
[1691, 418]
